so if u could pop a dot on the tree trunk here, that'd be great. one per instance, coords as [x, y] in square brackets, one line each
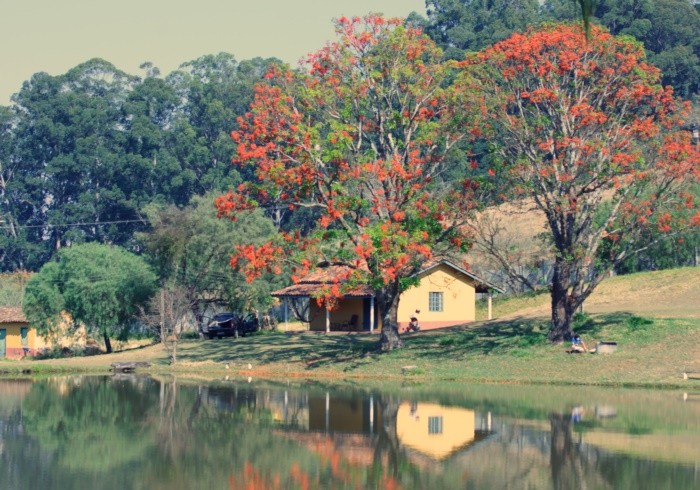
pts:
[387, 449]
[562, 458]
[562, 304]
[108, 344]
[162, 313]
[388, 300]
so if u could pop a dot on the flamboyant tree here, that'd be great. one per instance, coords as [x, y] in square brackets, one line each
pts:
[359, 139]
[586, 132]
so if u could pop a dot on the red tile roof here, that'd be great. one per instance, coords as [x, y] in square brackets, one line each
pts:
[321, 278]
[12, 315]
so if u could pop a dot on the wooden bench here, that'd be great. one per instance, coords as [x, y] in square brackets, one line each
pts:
[129, 367]
[691, 375]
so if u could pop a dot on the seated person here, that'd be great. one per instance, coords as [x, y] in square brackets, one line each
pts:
[577, 344]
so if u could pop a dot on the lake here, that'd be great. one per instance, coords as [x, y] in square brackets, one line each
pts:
[137, 432]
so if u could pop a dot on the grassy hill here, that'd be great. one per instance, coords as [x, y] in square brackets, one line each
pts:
[654, 317]
[673, 293]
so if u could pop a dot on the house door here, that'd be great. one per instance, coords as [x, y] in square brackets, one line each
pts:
[3, 336]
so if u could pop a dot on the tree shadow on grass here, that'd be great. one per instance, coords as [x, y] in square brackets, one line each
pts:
[487, 338]
[312, 349]
[508, 336]
[317, 350]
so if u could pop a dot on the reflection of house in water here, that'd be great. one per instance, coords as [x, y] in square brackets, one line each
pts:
[352, 415]
[351, 428]
[12, 392]
[286, 408]
[437, 431]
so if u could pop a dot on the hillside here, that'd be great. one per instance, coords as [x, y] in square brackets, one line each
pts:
[673, 293]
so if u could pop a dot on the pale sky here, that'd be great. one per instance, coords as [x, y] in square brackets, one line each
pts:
[56, 35]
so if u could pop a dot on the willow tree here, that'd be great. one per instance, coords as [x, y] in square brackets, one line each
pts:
[360, 136]
[585, 131]
[99, 286]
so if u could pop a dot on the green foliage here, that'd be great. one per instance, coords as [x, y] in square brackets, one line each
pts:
[470, 25]
[82, 153]
[668, 28]
[58, 352]
[100, 286]
[191, 248]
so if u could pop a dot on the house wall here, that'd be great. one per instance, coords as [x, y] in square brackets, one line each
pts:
[459, 299]
[35, 342]
[13, 340]
[459, 304]
[346, 309]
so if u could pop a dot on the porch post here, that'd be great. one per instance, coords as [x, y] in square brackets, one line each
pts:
[490, 302]
[286, 316]
[328, 320]
[371, 314]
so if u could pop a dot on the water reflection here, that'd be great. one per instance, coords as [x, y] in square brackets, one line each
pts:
[140, 432]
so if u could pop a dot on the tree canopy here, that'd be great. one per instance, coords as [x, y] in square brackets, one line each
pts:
[99, 286]
[359, 139]
[586, 133]
[81, 154]
[191, 249]
[668, 28]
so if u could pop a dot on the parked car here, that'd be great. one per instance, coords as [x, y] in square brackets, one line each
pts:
[229, 325]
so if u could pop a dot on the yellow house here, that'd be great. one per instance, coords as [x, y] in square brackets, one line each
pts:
[17, 339]
[444, 296]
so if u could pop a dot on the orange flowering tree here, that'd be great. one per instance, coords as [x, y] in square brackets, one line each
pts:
[358, 139]
[584, 129]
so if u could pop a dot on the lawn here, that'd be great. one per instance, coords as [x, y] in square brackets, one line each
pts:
[653, 349]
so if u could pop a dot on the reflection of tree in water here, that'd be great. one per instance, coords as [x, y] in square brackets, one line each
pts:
[85, 426]
[389, 456]
[581, 466]
[146, 433]
[565, 460]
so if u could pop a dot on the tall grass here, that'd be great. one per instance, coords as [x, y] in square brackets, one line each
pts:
[12, 288]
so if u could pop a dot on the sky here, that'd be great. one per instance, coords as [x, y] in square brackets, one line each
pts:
[56, 35]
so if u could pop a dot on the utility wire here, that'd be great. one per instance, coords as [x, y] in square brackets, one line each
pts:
[68, 225]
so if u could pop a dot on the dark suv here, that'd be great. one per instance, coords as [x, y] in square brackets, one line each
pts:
[229, 325]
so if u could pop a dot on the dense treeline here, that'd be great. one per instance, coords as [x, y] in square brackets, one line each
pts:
[669, 29]
[83, 153]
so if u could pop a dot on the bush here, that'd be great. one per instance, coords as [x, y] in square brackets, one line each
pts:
[75, 350]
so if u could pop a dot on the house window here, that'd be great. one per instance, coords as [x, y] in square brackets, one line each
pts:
[434, 425]
[24, 336]
[435, 301]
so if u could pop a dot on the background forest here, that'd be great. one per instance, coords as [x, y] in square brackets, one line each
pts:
[99, 155]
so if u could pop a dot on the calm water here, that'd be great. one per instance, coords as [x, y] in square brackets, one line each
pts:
[145, 433]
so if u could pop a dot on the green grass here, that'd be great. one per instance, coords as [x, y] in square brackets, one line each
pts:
[652, 350]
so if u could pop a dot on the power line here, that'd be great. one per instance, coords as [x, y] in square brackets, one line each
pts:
[68, 225]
